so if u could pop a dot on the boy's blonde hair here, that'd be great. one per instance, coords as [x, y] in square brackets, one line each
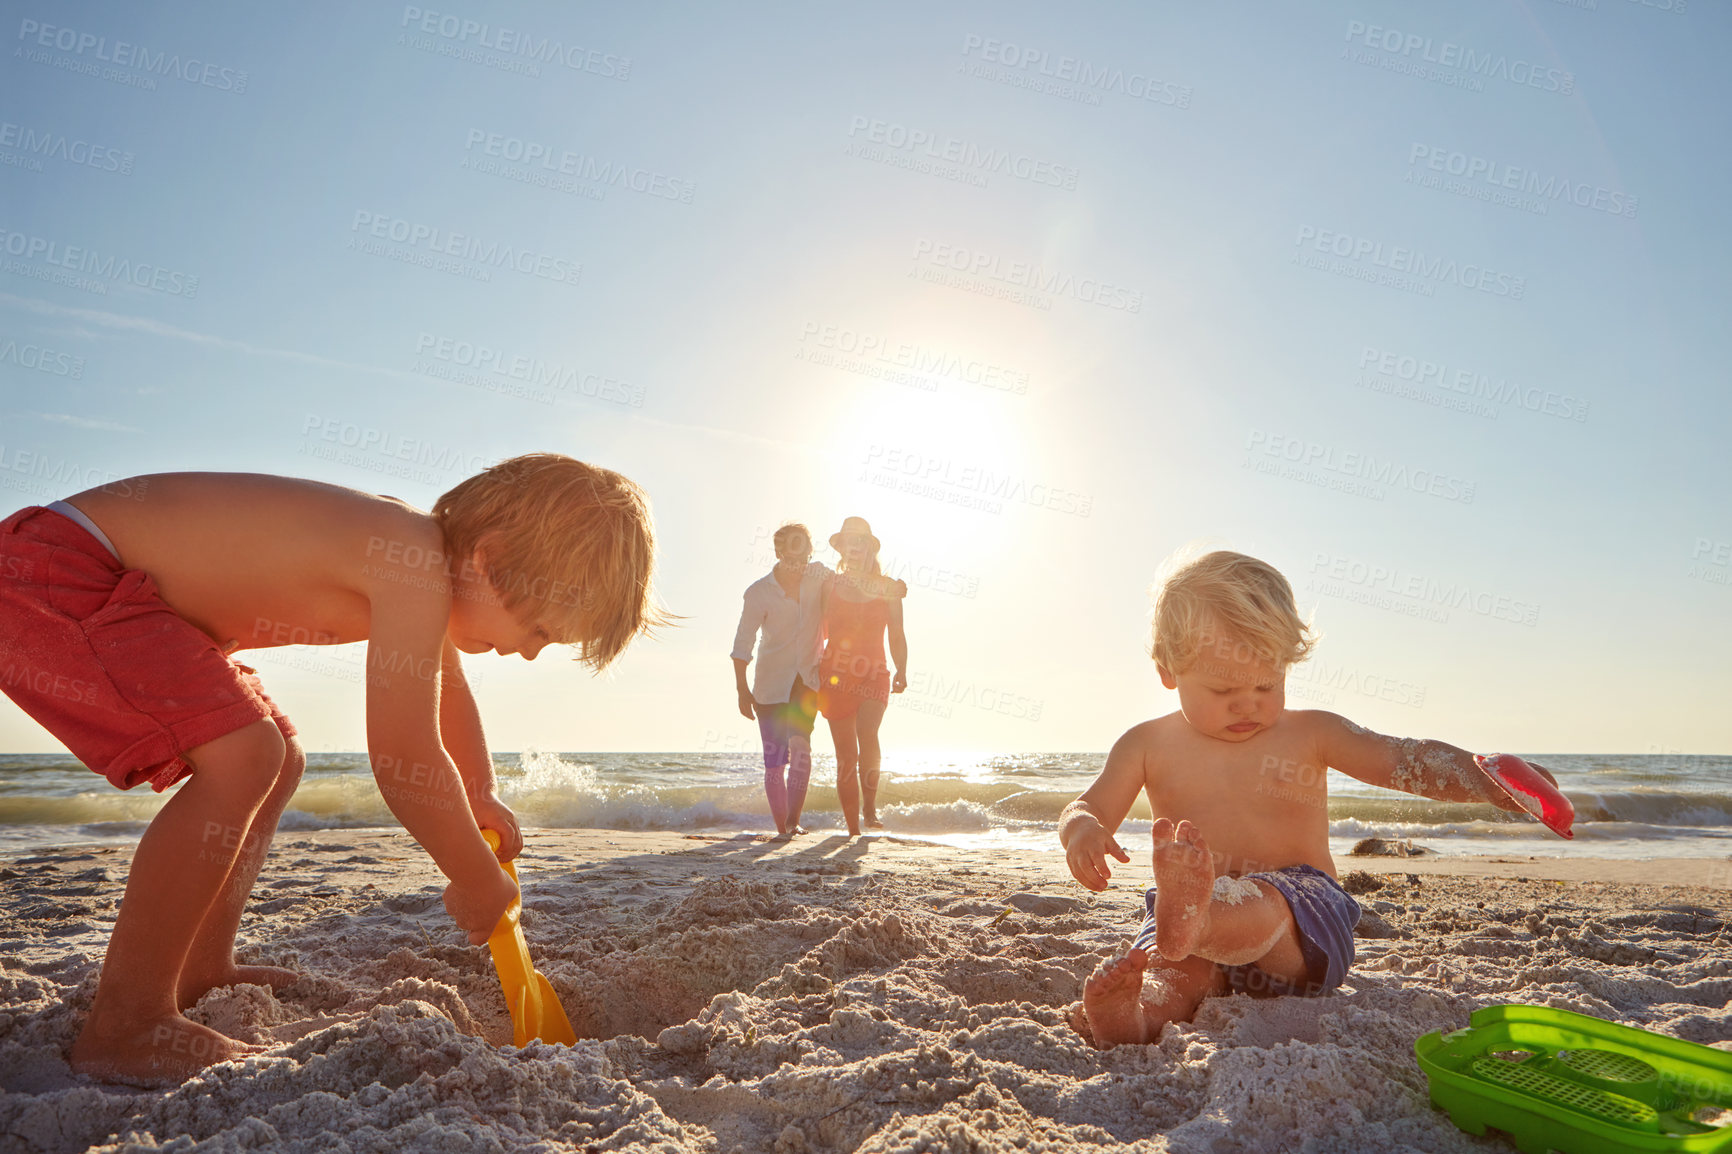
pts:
[1223, 595]
[567, 546]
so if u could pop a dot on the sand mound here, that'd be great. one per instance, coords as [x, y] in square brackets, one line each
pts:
[817, 998]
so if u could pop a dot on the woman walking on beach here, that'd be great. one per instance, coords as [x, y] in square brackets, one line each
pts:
[854, 681]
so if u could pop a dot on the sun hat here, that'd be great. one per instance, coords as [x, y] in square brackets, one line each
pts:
[853, 527]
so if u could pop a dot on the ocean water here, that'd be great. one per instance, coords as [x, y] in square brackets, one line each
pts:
[1627, 806]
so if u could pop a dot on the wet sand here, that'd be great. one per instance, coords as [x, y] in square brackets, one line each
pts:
[883, 994]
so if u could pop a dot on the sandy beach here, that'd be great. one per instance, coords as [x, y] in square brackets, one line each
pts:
[883, 994]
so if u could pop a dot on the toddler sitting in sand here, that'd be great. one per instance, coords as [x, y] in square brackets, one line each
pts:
[1245, 897]
[120, 608]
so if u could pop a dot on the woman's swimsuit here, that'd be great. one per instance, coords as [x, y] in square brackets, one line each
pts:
[853, 668]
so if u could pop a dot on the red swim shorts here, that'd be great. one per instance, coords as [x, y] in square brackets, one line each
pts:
[91, 651]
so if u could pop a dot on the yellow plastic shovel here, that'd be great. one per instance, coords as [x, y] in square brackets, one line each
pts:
[535, 1008]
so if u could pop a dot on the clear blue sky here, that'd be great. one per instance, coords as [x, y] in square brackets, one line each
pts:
[1424, 305]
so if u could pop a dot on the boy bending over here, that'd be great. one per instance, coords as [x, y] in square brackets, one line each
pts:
[123, 606]
[1245, 896]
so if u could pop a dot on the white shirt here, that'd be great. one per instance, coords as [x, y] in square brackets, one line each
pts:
[791, 628]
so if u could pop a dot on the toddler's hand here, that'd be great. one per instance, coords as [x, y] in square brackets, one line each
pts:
[1087, 856]
[477, 906]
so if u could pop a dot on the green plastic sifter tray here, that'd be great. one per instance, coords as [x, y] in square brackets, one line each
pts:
[1553, 1080]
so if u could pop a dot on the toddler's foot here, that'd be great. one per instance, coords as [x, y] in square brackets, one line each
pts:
[193, 988]
[1184, 879]
[170, 1050]
[1113, 1001]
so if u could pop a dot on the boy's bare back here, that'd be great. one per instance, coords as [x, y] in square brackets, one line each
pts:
[257, 561]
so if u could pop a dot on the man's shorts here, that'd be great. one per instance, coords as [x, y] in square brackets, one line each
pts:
[777, 723]
[798, 714]
[1324, 915]
[91, 651]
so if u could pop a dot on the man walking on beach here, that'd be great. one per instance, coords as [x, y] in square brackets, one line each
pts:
[784, 605]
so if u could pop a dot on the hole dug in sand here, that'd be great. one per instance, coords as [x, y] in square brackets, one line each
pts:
[763, 1004]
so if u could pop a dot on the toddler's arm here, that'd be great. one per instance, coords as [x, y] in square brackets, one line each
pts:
[1422, 766]
[1086, 825]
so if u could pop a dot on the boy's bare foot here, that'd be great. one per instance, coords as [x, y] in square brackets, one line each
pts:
[169, 1050]
[1184, 879]
[192, 989]
[1113, 1001]
[797, 831]
[872, 822]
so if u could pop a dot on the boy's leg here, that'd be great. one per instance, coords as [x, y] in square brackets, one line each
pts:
[847, 761]
[1127, 1001]
[1191, 921]
[871, 717]
[135, 1030]
[211, 961]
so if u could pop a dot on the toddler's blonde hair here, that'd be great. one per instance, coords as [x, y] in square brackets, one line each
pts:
[567, 546]
[1225, 595]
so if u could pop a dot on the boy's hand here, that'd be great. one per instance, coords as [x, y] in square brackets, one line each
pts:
[491, 813]
[746, 704]
[1086, 854]
[477, 906]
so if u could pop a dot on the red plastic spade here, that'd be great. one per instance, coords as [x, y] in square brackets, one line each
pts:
[1543, 800]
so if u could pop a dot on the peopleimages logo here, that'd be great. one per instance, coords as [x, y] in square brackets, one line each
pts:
[1393, 587]
[1497, 177]
[1015, 275]
[1413, 52]
[920, 362]
[1365, 471]
[40, 359]
[922, 143]
[1072, 75]
[40, 144]
[1473, 384]
[88, 45]
[510, 42]
[962, 483]
[103, 268]
[549, 160]
[1410, 262]
[431, 242]
[550, 377]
